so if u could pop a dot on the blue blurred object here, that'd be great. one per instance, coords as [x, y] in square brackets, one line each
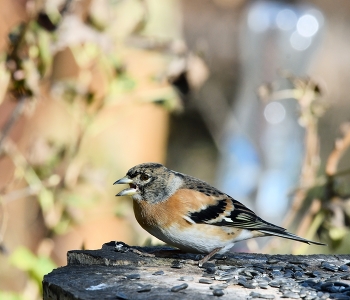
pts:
[241, 156]
[263, 142]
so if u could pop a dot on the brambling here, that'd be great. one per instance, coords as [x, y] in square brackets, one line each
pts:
[190, 214]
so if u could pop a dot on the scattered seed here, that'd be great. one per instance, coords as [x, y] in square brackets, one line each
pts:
[218, 292]
[211, 270]
[276, 274]
[176, 264]
[298, 275]
[344, 268]
[133, 276]
[294, 279]
[219, 286]
[208, 265]
[320, 274]
[232, 281]
[248, 285]
[319, 294]
[274, 283]
[288, 274]
[224, 278]
[262, 296]
[296, 262]
[145, 288]
[330, 267]
[121, 295]
[275, 268]
[272, 262]
[121, 247]
[335, 287]
[178, 288]
[260, 270]
[220, 256]
[263, 285]
[199, 257]
[210, 276]
[205, 280]
[291, 295]
[186, 278]
[310, 297]
[157, 273]
[302, 294]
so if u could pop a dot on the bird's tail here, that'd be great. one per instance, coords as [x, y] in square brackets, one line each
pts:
[291, 236]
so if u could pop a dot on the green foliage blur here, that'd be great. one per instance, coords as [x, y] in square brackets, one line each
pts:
[71, 70]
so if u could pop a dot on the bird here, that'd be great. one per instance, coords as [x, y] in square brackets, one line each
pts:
[191, 215]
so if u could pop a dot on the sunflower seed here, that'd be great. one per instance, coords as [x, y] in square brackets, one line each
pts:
[178, 288]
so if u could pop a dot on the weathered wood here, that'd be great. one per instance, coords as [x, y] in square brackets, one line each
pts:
[130, 272]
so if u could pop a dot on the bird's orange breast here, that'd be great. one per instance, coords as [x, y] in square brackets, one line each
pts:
[165, 213]
[166, 221]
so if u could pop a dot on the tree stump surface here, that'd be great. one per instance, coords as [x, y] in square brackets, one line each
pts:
[118, 271]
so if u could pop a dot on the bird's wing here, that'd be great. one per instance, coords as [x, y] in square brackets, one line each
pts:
[226, 211]
[243, 217]
[219, 209]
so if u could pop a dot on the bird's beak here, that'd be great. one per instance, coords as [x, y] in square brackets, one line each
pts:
[127, 192]
[124, 180]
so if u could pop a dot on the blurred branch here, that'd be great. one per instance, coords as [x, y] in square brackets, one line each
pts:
[36, 185]
[76, 70]
[341, 146]
[341, 173]
[45, 21]
[3, 225]
[309, 224]
[31, 190]
[141, 24]
[14, 65]
[307, 94]
[318, 202]
[11, 120]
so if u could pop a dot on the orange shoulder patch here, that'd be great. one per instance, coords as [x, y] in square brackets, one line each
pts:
[174, 209]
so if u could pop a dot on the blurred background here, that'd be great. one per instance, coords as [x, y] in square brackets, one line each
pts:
[250, 96]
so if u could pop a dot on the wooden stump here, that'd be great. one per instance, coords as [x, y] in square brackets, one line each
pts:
[118, 271]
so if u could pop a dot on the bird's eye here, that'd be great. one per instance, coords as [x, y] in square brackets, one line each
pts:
[144, 177]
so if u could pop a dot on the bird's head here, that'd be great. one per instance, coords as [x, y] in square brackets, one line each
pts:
[150, 182]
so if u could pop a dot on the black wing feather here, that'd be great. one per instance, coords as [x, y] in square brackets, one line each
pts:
[243, 217]
[209, 213]
[240, 217]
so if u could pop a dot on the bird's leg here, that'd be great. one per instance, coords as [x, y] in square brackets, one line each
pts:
[209, 256]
